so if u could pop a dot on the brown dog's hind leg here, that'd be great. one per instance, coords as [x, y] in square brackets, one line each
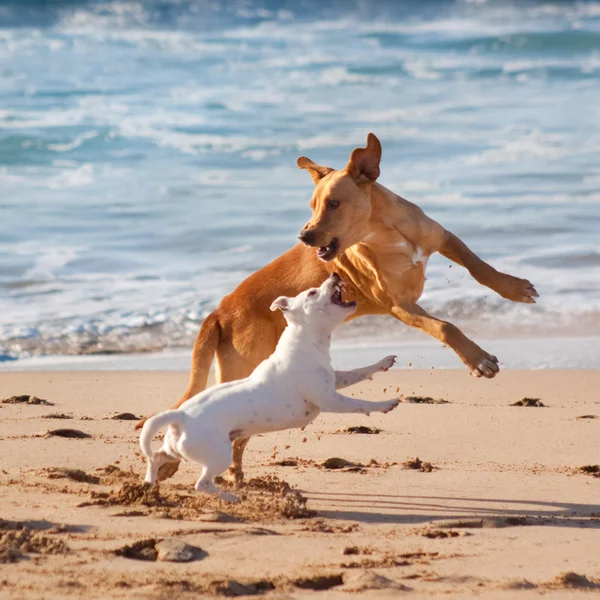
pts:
[202, 358]
[480, 363]
[256, 340]
[235, 471]
[261, 341]
[509, 287]
[205, 347]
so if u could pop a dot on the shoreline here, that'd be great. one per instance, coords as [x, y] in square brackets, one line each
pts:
[572, 352]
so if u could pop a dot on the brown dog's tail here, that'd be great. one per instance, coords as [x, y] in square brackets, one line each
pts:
[202, 357]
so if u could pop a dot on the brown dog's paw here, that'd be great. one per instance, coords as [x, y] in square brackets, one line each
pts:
[517, 290]
[167, 470]
[486, 367]
[232, 478]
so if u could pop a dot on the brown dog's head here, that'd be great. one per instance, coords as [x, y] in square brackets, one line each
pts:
[341, 202]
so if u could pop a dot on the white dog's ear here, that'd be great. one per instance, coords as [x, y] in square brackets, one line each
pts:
[281, 303]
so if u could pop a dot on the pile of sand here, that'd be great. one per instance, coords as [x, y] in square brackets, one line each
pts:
[17, 540]
[261, 499]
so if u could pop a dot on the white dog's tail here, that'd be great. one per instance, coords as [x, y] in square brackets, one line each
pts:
[154, 424]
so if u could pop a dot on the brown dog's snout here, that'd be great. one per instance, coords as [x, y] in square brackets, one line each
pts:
[307, 236]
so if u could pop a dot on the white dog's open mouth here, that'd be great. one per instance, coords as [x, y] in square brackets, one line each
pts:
[328, 252]
[336, 296]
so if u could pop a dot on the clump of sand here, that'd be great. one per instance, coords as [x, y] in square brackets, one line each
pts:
[231, 587]
[26, 399]
[74, 434]
[360, 429]
[322, 526]
[362, 581]
[129, 494]
[435, 534]
[142, 550]
[57, 416]
[418, 465]
[531, 402]
[593, 470]
[165, 550]
[424, 400]
[313, 581]
[389, 560]
[111, 475]
[267, 498]
[17, 540]
[485, 523]
[126, 416]
[575, 580]
[336, 463]
[349, 550]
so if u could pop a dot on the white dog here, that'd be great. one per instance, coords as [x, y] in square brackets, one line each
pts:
[289, 389]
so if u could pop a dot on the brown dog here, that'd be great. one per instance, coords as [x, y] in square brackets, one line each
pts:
[378, 242]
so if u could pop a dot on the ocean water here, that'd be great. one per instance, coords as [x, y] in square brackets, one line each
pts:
[147, 156]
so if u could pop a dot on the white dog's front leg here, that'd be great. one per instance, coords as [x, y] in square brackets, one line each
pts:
[337, 403]
[347, 378]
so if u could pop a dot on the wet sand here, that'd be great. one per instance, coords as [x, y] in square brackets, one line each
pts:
[497, 505]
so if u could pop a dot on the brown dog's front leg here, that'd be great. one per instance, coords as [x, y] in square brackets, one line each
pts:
[509, 287]
[480, 363]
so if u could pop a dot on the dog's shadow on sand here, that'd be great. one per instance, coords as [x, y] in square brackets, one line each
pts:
[381, 508]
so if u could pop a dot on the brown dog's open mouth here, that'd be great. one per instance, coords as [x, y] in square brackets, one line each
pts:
[328, 252]
[336, 296]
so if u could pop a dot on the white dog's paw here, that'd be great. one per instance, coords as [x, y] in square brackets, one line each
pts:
[389, 405]
[387, 363]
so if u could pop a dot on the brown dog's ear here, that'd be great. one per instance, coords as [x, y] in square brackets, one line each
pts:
[280, 303]
[317, 172]
[363, 165]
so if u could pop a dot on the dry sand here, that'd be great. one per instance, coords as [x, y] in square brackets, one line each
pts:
[502, 511]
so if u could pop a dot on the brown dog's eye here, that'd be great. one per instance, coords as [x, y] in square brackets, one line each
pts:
[312, 293]
[331, 204]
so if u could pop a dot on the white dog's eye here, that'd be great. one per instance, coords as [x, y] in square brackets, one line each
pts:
[312, 293]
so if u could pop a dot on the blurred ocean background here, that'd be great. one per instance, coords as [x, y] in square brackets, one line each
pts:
[147, 156]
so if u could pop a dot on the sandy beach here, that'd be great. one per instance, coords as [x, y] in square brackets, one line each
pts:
[499, 507]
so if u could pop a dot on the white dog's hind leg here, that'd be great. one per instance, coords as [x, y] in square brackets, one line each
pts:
[205, 483]
[337, 403]
[154, 464]
[214, 453]
[347, 378]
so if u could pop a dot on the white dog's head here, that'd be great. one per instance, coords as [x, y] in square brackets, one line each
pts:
[321, 307]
